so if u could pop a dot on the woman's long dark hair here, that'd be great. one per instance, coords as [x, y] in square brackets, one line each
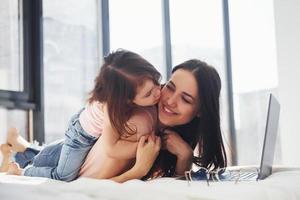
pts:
[116, 84]
[204, 130]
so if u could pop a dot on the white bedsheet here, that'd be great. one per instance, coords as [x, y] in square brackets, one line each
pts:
[280, 185]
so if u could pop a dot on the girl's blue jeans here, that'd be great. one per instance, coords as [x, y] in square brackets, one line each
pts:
[60, 160]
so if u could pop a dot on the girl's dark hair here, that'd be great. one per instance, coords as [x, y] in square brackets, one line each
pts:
[203, 130]
[116, 85]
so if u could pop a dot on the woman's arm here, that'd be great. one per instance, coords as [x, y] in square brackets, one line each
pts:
[147, 151]
[184, 163]
[177, 146]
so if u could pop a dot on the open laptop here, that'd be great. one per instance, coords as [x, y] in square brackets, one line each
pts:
[268, 151]
[271, 131]
[267, 157]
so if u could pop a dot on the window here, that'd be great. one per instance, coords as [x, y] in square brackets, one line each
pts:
[11, 45]
[254, 72]
[137, 26]
[71, 60]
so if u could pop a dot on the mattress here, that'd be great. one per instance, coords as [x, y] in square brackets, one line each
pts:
[282, 184]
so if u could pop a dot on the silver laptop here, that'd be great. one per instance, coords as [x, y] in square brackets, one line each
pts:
[267, 157]
[268, 151]
[271, 131]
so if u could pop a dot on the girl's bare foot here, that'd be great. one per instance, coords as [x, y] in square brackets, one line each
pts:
[14, 169]
[6, 151]
[18, 143]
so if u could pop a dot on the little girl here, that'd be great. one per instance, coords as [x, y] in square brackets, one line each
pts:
[126, 89]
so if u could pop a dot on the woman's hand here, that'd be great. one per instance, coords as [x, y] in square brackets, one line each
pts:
[177, 146]
[147, 151]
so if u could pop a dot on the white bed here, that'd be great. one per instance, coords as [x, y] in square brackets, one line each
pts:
[284, 183]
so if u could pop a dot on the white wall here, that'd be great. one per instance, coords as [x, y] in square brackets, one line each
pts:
[287, 24]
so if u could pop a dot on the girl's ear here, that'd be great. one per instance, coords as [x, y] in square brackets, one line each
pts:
[198, 115]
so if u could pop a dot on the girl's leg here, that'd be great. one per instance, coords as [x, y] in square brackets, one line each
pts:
[17, 142]
[25, 158]
[14, 168]
[31, 158]
[74, 149]
[6, 151]
[49, 155]
[24, 153]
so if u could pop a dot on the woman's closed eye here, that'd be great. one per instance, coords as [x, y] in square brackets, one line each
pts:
[186, 100]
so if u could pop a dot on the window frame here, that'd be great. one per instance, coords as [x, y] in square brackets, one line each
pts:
[31, 98]
[20, 99]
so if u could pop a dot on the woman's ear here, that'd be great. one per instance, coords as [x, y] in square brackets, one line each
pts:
[198, 115]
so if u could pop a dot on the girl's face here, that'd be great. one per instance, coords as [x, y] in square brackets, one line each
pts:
[148, 94]
[179, 102]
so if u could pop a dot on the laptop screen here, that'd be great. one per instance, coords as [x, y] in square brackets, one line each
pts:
[270, 138]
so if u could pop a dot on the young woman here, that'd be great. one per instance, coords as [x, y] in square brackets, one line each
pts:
[189, 112]
[120, 109]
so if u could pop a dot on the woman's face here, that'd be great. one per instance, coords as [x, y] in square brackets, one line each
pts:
[179, 102]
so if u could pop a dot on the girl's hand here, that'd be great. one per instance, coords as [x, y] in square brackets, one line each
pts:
[182, 150]
[147, 151]
[176, 145]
